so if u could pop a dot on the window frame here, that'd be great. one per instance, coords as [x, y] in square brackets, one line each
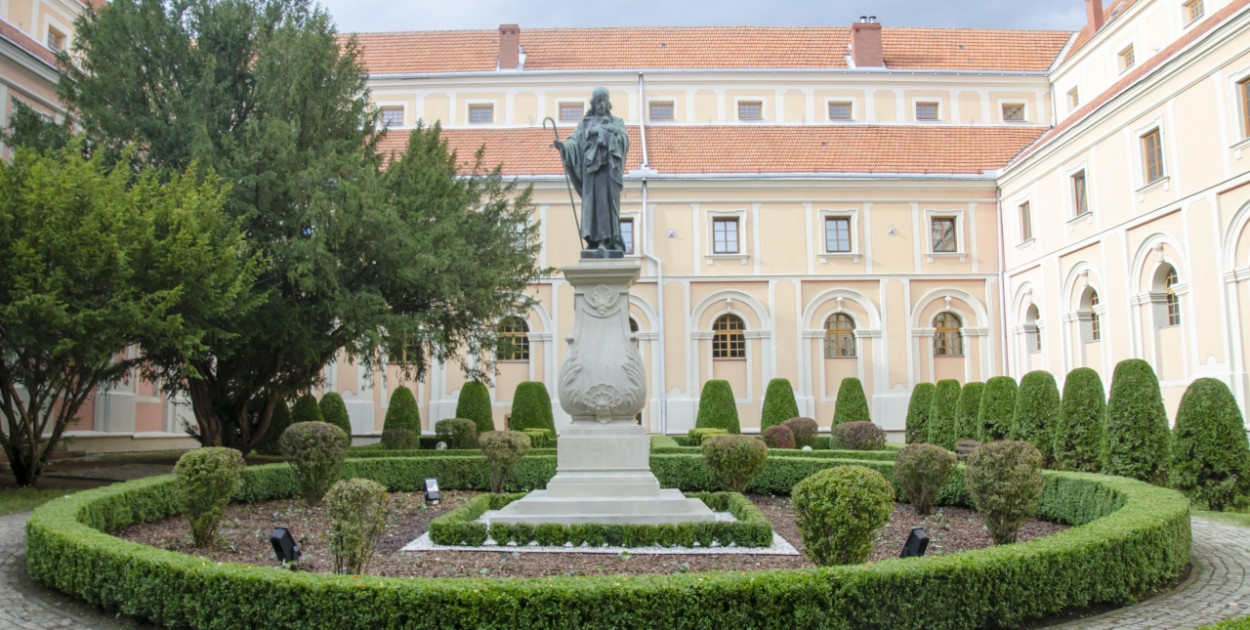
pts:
[749, 102]
[1032, 331]
[953, 220]
[630, 245]
[1243, 102]
[729, 342]
[736, 221]
[1153, 170]
[561, 105]
[521, 345]
[672, 110]
[1171, 300]
[840, 339]
[1095, 321]
[1079, 196]
[1125, 59]
[1074, 98]
[384, 109]
[1189, 15]
[937, 110]
[1024, 112]
[830, 217]
[850, 110]
[948, 341]
[60, 35]
[484, 106]
[1024, 211]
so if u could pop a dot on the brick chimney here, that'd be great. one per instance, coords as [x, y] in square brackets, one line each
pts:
[1093, 12]
[866, 43]
[509, 46]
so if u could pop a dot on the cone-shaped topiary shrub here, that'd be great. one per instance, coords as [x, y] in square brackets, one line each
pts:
[778, 436]
[1005, 481]
[503, 449]
[918, 410]
[474, 404]
[357, 509]
[967, 424]
[531, 408]
[1138, 440]
[717, 409]
[306, 409]
[1081, 433]
[851, 405]
[334, 412]
[316, 450]
[779, 404]
[998, 405]
[804, 430]
[734, 459]
[402, 412]
[921, 470]
[943, 414]
[858, 436]
[1210, 454]
[278, 422]
[207, 478]
[457, 433]
[838, 512]
[1037, 411]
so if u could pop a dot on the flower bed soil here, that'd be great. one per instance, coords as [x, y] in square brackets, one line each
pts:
[244, 538]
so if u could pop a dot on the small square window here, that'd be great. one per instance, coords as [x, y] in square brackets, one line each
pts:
[1026, 222]
[1074, 99]
[1126, 58]
[661, 110]
[837, 235]
[725, 235]
[750, 110]
[571, 112]
[392, 116]
[926, 111]
[839, 111]
[1193, 11]
[943, 233]
[481, 113]
[56, 39]
[627, 235]
[1152, 156]
[1080, 196]
[1013, 113]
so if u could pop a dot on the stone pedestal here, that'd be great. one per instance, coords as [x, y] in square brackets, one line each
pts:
[603, 471]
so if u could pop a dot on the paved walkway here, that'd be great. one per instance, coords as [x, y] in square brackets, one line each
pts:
[1218, 587]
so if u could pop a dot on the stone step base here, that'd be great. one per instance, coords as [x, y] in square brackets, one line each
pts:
[668, 506]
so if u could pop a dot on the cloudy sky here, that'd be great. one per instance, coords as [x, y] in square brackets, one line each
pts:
[419, 15]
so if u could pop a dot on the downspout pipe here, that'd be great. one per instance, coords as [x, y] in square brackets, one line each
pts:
[1002, 283]
[649, 255]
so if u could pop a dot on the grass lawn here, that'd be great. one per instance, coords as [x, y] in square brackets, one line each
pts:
[14, 500]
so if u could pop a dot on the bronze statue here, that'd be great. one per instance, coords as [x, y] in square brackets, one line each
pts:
[594, 161]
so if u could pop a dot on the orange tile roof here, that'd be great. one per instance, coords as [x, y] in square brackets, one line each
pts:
[718, 48]
[765, 149]
[1111, 13]
[25, 42]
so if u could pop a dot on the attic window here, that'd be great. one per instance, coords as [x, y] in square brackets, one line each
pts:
[482, 113]
[1125, 58]
[750, 110]
[1013, 112]
[56, 39]
[1193, 11]
[926, 111]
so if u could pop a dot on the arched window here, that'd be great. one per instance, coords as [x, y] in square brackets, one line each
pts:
[947, 340]
[728, 340]
[839, 336]
[1173, 302]
[1031, 329]
[514, 339]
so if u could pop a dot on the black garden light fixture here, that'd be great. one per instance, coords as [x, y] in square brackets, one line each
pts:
[284, 546]
[916, 543]
[432, 495]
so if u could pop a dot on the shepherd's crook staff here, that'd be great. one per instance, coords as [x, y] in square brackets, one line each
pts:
[556, 145]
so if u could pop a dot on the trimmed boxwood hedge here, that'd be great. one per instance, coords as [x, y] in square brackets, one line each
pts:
[1129, 537]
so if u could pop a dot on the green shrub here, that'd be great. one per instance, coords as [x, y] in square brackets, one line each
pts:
[402, 412]
[858, 436]
[457, 433]
[540, 438]
[922, 470]
[207, 478]
[316, 451]
[1006, 485]
[967, 426]
[838, 512]
[1138, 439]
[804, 430]
[778, 436]
[306, 409]
[278, 422]
[400, 440]
[735, 459]
[503, 449]
[944, 414]
[474, 404]
[1081, 433]
[334, 412]
[357, 509]
[779, 404]
[696, 436]
[531, 408]
[918, 410]
[717, 408]
[998, 405]
[1038, 408]
[1210, 453]
[851, 405]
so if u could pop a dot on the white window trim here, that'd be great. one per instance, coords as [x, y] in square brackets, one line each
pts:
[656, 101]
[961, 249]
[561, 103]
[941, 108]
[1069, 203]
[403, 113]
[762, 100]
[1119, 51]
[832, 100]
[1187, 24]
[848, 213]
[494, 110]
[1020, 201]
[636, 217]
[1139, 157]
[1003, 102]
[50, 22]
[1067, 98]
[743, 254]
[1241, 139]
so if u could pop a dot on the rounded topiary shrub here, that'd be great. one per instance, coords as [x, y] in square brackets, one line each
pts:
[734, 459]
[943, 414]
[998, 406]
[804, 430]
[851, 405]
[858, 436]
[531, 408]
[1081, 433]
[779, 403]
[357, 510]
[316, 450]
[1005, 481]
[1210, 454]
[474, 404]
[918, 410]
[967, 426]
[334, 412]
[838, 512]
[503, 449]
[1038, 408]
[778, 436]
[457, 433]
[402, 412]
[306, 409]
[540, 438]
[1138, 439]
[922, 470]
[400, 440]
[207, 478]
[278, 422]
[717, 408]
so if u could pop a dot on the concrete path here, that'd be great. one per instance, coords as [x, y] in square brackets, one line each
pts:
[1217, 588]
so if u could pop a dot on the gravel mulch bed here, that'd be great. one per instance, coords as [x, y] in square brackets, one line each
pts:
[245, 539]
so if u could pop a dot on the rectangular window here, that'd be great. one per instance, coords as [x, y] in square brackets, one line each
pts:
[1152, 156]
[1243, 93]
[56, 39]
[392, 116]
[1193, 11]
[627, 235]
[571, 112]
[1125, 58]
[943, 234]
[839, 111]
[750, 110]
[481, 113]
[1013, 113]
[1026, 222]
[837, 234]
[1080, 198]
[926, 111]
[725, 236]
[661, 111]
[1074, 99]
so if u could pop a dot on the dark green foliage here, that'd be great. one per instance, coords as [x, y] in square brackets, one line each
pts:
[804, 430]
[531, 408]
[735, 459]
[207, 478]
[474, 404]
[851, 405]
[967, 426]
[944, 414]
[278, 422]
[1006, 485]
[334, 412]
[1081, 433]
[717, 408]
[922, 470]
[503, 449]
[357, 509]
[1038, 409]
[696, 436]
[1138, 439]
[779, 403]
[316, 450]
[998, 406]
[306, 409]
[32, 130]
[858, 436]
[1210, 453]
[402, 412]
[400, 440]
[457, 433]
[778, 436]
[918, 410]
[540, 438]
[838, 512]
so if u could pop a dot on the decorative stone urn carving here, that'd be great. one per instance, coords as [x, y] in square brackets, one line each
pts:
[602, 379]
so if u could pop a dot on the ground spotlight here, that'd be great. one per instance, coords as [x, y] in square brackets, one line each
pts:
[432, 495]
[917, 542]
[284, 546]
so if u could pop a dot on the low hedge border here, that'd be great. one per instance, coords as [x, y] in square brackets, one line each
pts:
[461, 452]
[752, 529]
[1128, 538]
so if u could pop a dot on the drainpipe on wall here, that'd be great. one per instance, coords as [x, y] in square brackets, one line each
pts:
[646, 252]
[1002, 280]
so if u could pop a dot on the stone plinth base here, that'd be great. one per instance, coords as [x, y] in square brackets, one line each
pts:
[666, 506]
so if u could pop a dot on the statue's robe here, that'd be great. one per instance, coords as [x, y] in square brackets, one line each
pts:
[594, 158]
